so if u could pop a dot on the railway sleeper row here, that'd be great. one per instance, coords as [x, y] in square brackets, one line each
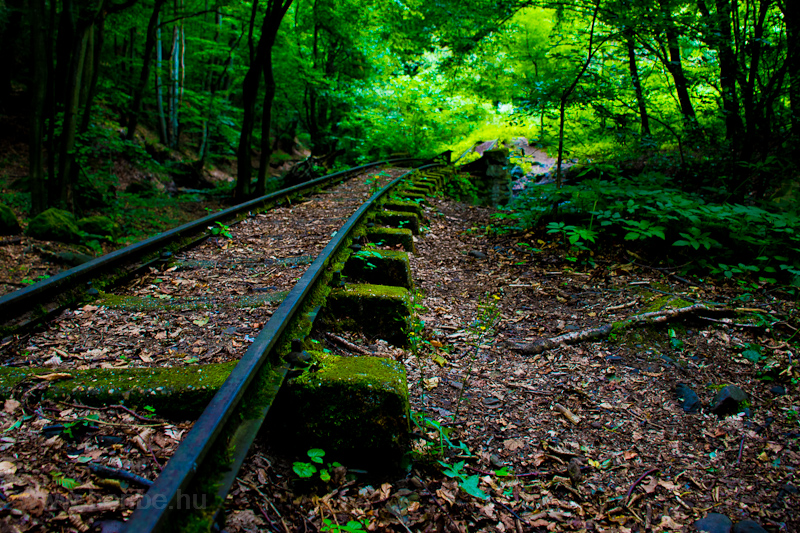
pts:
[360, 404]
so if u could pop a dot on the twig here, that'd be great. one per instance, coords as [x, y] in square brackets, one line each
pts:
[510, 510]
[639, 480]
[741, 449]
[269, 520]
[347, 344]
[106, 408]
[114, 473]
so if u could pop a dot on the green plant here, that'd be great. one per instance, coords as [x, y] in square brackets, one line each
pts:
[221, 229]
[352, 525]
[573, 234]
[60, 479]
[307, 470]
[29, 281]
[469, 484]
[365, 255]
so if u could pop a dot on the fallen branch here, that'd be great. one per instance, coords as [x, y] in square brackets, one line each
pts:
[346, 344]
[639, 480]
[542, 345]
[124, 475]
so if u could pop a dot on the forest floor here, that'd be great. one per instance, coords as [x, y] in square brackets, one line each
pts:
[588, 436]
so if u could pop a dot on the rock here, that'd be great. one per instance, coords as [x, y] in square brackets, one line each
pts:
[728, 401]
[714, 523]
[476, 254]
[748, 526]
[778, 390]
[98, 225]
[691, 402]
[54, 225]
[9, 225]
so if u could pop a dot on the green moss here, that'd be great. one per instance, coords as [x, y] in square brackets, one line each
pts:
[666, 302]
[147, 303]
[54, 225]
[9, 225]
[179, 391]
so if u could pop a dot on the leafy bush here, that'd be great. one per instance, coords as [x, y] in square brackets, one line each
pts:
[750, 243]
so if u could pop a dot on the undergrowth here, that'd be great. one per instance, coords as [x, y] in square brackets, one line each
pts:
[754, 245]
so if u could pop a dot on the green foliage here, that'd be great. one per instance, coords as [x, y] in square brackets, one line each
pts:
[307, 470]
[650, 211]
[350, 526]
[60, 479]
[221, 229]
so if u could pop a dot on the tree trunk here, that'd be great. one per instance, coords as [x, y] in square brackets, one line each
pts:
[162, 122]
[637, 85]
[566, 94]
[791, 14]
[138, 92]
[38, 96]
[276, 9]
[266, 122]
[66, 157]
[675, 67]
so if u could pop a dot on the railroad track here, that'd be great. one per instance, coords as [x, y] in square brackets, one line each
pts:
[207, 328]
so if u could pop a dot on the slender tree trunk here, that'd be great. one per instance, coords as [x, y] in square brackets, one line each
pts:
[66, 158]
[162, 122]
[675, 67]
[791, 14]
[275, 12]
[749, 96]
[566, 94]
[266, 122]
[38, 99]
[138, 92]
[637, 86]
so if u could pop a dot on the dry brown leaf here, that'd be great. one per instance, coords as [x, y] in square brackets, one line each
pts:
[513, 444]
[11, 405]
[7, 468]
[32, 501]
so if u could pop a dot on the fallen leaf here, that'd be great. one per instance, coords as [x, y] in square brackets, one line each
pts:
[7, 468]
[513, 444]
[32, 501]
[430, 383]
[11, 405]
[629, 455]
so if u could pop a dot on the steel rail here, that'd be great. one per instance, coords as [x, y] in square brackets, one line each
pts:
[15, 304]
[163, 497]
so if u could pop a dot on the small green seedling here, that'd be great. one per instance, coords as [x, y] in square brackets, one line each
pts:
[221, 229]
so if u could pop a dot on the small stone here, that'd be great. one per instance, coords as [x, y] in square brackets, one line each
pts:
[778, 390]
[496, 461]
[748, 526]
[574, 471]
[476, 254]
[728, 401]
[714, 523]
[614, 359]
[691, 402]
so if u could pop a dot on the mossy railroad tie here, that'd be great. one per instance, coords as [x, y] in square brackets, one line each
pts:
[399, 219]
[173, 392]
[406, 207]
[392, 237]
[379, 311]
[385, 267]
[355, 408]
